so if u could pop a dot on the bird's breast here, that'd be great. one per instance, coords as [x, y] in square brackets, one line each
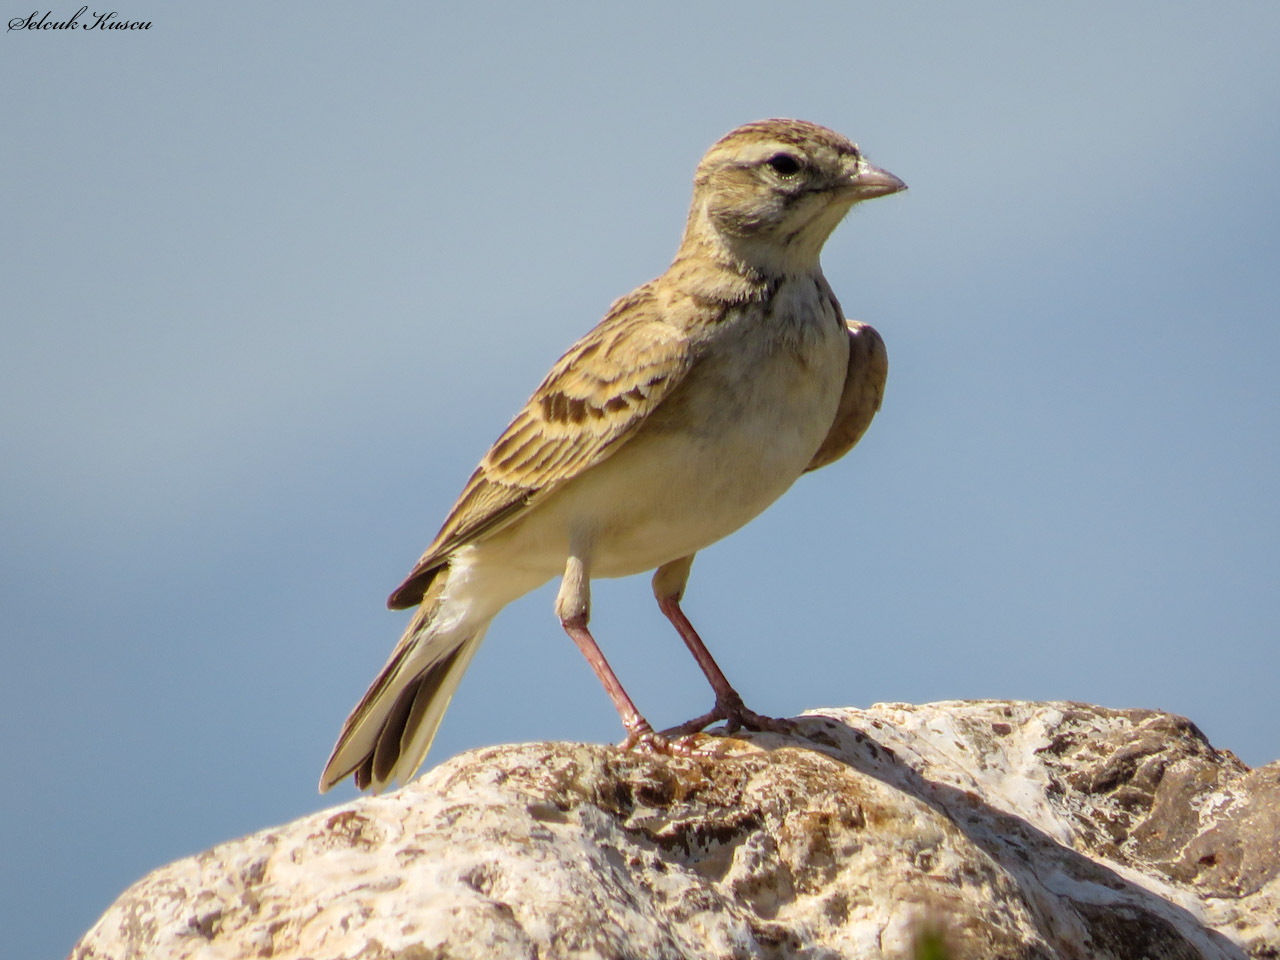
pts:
[726, 443]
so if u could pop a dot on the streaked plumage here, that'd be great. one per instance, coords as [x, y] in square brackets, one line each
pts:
[695, 403]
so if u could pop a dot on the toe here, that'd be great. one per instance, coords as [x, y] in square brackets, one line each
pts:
[646, 741]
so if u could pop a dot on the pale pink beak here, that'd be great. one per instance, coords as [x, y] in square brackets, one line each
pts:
[871, 182]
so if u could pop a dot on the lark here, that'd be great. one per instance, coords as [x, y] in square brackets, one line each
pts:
[693, 405]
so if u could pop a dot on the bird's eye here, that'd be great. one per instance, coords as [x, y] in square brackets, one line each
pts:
[784, 164]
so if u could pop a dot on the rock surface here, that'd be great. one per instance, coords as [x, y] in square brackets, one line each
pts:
[1001, 829]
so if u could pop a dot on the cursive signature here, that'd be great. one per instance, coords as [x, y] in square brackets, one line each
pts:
[95, 21]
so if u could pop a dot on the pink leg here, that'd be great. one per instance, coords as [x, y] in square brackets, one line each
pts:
[638, 729]
[729, 706]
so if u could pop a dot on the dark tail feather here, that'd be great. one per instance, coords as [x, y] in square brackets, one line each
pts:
[388, 734]
[405, 718]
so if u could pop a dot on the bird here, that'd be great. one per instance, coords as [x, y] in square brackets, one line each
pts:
[694, 404]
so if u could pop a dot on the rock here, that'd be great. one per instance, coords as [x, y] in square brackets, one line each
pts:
[998, 829]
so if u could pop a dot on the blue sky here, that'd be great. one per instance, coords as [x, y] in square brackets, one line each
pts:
[275, 278]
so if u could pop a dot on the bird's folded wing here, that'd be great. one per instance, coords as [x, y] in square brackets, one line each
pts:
[863, 391]
[591, 402]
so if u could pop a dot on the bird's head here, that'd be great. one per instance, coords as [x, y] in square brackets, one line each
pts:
[771, 192]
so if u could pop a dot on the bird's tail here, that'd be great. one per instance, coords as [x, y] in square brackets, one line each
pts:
[388, 734]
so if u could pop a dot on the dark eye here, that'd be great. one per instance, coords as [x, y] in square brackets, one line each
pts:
[784, 164]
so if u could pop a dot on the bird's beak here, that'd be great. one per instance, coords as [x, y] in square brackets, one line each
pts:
[869, 182]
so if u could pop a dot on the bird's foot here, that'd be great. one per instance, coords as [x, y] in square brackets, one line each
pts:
[734, 712]
[642, 739]
[647, 741]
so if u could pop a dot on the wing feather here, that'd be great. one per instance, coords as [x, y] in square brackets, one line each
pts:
[863, 391]
[591, 402]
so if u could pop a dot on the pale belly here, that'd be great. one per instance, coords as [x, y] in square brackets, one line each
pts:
[734, 439]
[670, 495]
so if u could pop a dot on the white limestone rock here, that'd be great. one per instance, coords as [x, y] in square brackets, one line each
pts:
[1002, 829]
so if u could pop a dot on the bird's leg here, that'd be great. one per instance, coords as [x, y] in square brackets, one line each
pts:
[573, 606]
[668, 588]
